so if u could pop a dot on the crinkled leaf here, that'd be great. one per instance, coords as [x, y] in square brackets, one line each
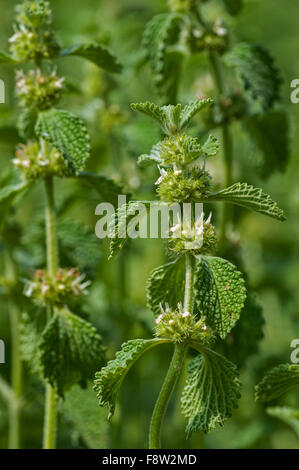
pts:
[89, 421]
[211, 392]
[256, 69]
[160, 33]
[270, 132]
[67, 133]
[233, 6]
[248, 196]
[71, 350]
[288, 415]
[107, 189]
[219, 293]
[277, 382]
[211, 146]
[171, 118]
[166, 284]
[119, 228]
[109, 379]
[96, 53]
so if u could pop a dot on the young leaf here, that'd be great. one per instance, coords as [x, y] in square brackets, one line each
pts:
[245, 195]
[67, 133]
[96, 53]
[172, 118]
[166, 284]
[119, 226]
[109, 379]
[160, 33]
[71, 351]
[9, 193]
[256, 69]
[107, 189]
[193, 108]
[26, 123]
[233, 6]
[277, 382]
[219, 293]
[211, 392]
[289, 415]
[211, 146]
[270, 134]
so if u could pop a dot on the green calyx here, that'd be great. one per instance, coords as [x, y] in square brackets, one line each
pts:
[36, 161]
[197, 238]
[181, 326]
[180, 186]
[67, 287]
[38, 91]
[32, 39]
[209, 40]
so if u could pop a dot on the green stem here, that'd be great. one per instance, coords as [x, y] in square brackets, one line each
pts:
[171, 378]
[52, 265]
[175, 367]
[16, 362]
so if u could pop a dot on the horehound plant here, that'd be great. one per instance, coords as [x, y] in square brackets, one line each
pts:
[65, 349]
[242, 76]
[196, 296]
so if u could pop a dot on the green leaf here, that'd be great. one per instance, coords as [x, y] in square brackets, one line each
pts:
[172, 119]
[288, 415]
[8, 194]
[211, 146]
[96, 53]
[26, 123]
[166, 284]
[119, 228]
[6, 59]
[256, 70]
[219, 293]
[277, 382]
[89, 421]
[71, 351]
[248, 196]
[270, 132]
[233, 6]
[109, 379]
[211, 392]
[243, 341]
[107, 189]
[67, 133]
[160, 33]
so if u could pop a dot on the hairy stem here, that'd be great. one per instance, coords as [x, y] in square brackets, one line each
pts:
[175, 367]
[52, 265]
[16, 372]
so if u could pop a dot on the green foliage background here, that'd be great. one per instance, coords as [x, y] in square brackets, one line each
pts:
[117, 303]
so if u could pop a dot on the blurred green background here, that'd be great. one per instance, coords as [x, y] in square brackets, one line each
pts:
[117, 303]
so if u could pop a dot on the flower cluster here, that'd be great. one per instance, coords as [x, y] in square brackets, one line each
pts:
[64, 289]
[31, 39]
[176, 185]
[215, 39]
[199, 237]
[35, 162]
[38, 91]
[181, 326]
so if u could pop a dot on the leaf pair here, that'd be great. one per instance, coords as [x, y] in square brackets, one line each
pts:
[210, 394]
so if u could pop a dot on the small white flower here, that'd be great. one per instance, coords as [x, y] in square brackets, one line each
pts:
[171, 322]
[163, 173]
[186, 314]
[25, 163]
[45, 288]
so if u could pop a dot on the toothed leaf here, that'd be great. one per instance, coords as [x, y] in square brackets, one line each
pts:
[67, 133]
[193, 108]
[256, 69]
[211, 392]
[71, 351]
[107, 189]
[109, 379]
[277, 382]
[248, 196]
[96, 53]
[211, 146]
[219, 293]
[166, 284]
